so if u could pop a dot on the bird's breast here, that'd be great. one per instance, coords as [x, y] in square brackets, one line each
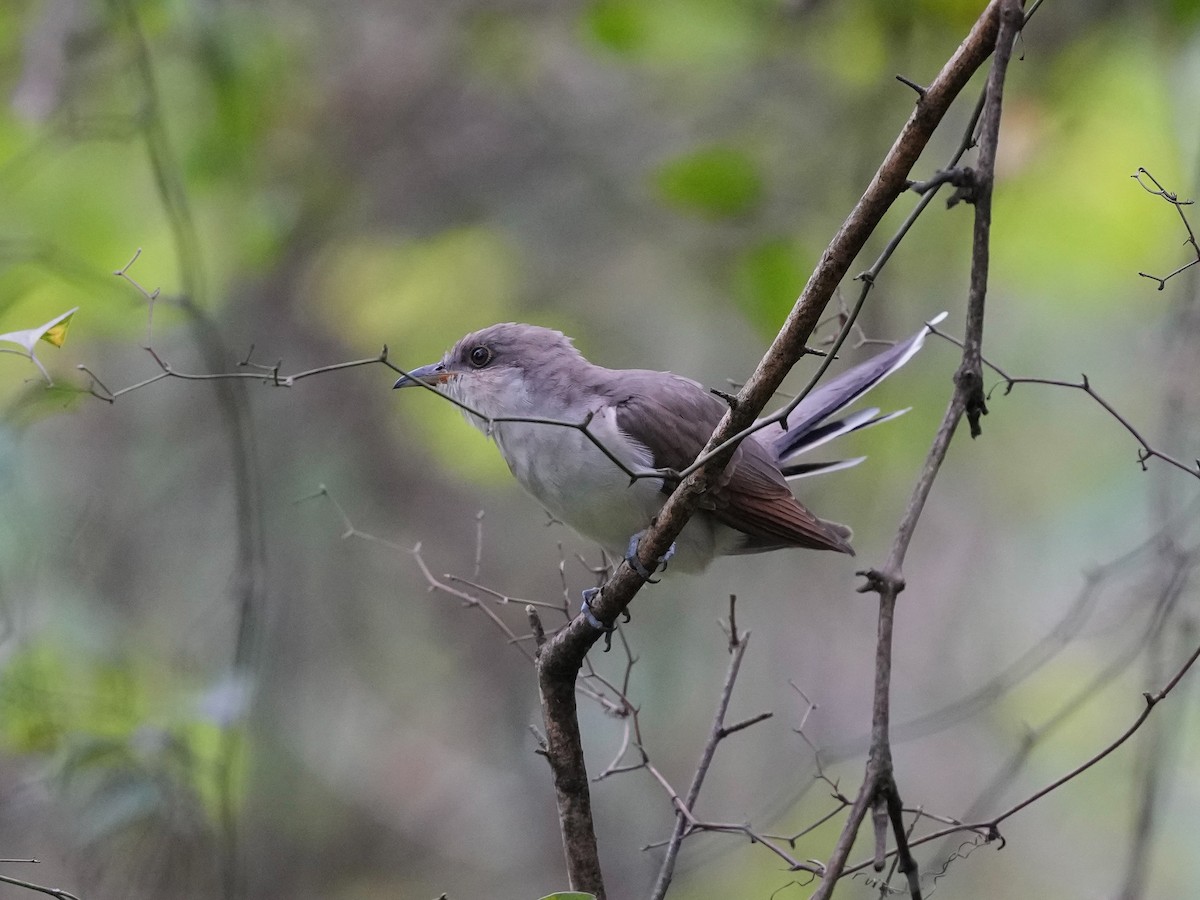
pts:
[577, 482]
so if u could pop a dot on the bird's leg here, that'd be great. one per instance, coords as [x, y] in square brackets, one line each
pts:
[631, 557]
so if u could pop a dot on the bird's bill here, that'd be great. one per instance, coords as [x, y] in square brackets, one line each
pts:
[431, 375]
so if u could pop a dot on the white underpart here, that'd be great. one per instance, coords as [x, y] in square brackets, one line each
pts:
[578, 484]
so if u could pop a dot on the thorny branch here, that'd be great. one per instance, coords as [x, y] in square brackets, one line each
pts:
[773, 843]
[1141, 176]
[560, 658]
[687, 823]
[272, 375]
[1146, 451]
[611, 698]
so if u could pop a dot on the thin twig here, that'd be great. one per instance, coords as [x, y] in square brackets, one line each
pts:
[41, 889]
[1141, 176]
[1147, 450]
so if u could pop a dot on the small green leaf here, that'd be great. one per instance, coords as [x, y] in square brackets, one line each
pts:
[767, 279]
[716, 182]
[619, 25]
[699, 37]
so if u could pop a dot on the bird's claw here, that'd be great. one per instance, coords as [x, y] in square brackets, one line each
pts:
[586, 609]
[631, 557]
[590, 617]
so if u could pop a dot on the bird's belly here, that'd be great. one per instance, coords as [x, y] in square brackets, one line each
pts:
[579, 485]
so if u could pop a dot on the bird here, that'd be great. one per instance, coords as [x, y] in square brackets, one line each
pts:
[655, 423]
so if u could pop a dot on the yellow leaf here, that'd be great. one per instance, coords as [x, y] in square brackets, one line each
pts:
[57, 332]
[54, 332]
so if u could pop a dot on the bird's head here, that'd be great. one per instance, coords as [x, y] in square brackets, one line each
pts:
[495, 370]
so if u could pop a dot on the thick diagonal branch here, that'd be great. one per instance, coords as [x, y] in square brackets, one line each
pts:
[561, 657]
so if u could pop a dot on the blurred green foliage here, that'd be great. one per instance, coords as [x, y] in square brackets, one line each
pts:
[767, 280]
[713, 181]
[121, 748]
[1067, 158]
[658, 180]
[402, 294]
[699, 34]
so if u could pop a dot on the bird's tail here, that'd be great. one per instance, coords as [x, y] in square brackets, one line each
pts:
[807, 425]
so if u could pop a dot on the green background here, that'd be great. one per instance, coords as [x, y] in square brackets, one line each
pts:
[657, 180]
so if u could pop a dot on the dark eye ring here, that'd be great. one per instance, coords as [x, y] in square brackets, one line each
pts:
[480, 356]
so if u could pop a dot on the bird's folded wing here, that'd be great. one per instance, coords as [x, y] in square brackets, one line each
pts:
[673, 418]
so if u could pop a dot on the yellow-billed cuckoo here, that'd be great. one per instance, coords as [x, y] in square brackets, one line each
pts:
[649, 420]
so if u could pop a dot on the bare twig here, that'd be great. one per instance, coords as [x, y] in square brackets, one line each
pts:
[445, 585]
[151, 296]
[274, 379]
[1141, 176]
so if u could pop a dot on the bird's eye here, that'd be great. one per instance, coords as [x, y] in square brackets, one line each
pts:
[480, 356]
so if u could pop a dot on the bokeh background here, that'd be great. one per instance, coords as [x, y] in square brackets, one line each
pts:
[201, 674]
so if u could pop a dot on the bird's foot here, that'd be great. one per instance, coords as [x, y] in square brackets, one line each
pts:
[588, 595]
[590, 617]
[631, 557]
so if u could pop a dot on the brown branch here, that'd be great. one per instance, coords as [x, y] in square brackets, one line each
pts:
[560, 658]
[564, 751]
